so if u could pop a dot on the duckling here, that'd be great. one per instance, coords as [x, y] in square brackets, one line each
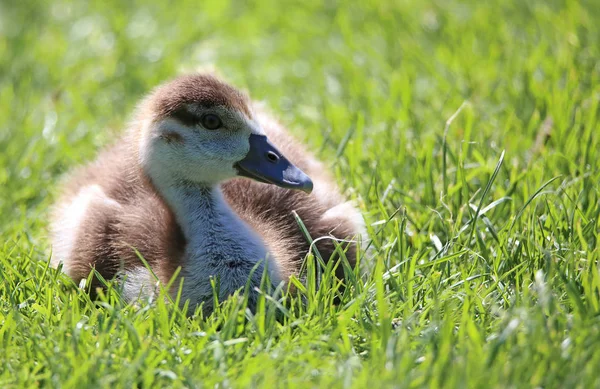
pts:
[197, 187]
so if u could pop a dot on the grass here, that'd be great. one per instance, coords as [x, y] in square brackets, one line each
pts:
[467, 131]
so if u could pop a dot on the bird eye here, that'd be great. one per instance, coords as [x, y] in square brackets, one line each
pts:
[211, 121]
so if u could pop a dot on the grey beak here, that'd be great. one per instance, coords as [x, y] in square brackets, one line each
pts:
[266, 164]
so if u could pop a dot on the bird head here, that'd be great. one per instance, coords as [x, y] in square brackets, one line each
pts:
[202, 130]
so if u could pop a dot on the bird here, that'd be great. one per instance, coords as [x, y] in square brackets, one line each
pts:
[204, 188]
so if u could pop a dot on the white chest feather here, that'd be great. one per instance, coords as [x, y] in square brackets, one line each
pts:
[220, 246]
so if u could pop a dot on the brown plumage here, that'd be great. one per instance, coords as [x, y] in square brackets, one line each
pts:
[113, 206]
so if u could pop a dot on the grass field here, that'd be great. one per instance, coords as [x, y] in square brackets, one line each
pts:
[468, 132]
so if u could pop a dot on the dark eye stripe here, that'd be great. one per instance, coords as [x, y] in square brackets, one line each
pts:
[186, 117]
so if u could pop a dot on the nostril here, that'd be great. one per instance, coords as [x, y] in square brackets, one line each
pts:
[271, 156]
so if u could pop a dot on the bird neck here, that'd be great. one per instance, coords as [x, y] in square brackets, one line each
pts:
[207, 221]
[198, 207]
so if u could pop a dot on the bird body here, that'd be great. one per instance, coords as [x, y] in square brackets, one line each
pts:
[169, 191]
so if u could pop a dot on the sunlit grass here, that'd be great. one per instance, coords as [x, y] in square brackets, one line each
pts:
[467, 132]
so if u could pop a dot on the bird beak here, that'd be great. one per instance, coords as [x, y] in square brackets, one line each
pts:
[266, 164]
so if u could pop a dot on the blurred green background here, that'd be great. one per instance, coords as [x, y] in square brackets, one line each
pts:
[71, 72]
